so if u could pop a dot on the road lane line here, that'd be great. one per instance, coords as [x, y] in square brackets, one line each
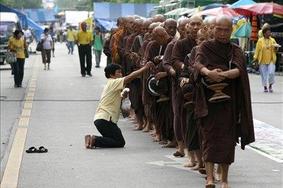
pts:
[11, 173]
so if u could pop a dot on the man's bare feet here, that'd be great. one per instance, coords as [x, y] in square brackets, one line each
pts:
[87, 141]
[92, 142]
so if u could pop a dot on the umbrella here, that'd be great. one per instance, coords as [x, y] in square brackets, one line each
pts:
[244, 30]
[220, 11]
[242, 3]
[213, 5]
[260, 9]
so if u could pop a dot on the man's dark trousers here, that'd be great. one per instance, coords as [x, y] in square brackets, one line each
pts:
[85, 53]
[111, 135]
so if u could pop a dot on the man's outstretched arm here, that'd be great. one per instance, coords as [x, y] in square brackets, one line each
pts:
[137, 73]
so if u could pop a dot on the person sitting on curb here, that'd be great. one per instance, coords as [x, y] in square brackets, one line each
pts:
[108, 110]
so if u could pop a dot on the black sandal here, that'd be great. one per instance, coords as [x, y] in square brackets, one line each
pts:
[42, 149]
[32, 150]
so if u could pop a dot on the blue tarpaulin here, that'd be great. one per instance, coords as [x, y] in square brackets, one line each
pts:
[104, 24]
[24, 20]
[41, 15]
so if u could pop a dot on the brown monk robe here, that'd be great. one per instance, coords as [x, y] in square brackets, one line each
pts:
[137, 83]
[134, 85]
[147, 39]
[192, 139]
[115, 40]
[154, 52]
[164, 125]
[222, 123]
[129, 25]
[168, 67]
[180, 51]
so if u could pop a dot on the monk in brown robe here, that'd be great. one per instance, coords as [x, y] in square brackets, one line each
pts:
[222, 123]
[180, 51]
[192, 136]
[115, 40]
[154, 53]
[137, 83]
[145, 98]
[130, 67]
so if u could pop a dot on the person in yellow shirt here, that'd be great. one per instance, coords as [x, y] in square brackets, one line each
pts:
[70, 40]
[84, 41]
[18, 45]
[265, 54]
[108, 110]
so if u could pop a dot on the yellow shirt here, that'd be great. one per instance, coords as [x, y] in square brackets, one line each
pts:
[70, 35]
[265, 51]
[18, 45]
[110, 102]
[84, 37]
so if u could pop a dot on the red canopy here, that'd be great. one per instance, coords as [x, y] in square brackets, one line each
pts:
[260, 9]
[220, 11]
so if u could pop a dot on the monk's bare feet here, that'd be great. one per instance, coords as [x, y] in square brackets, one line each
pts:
[157, 138]
[190, 164]
[146, 130]
[196, 167]
[202, 170]
[87, 141]
[138, 128]
[210, 185]
[163, 142]
[179, 154]
[170, 145]
[224, 185]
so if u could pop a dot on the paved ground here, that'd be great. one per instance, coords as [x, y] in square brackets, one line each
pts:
[55, 109]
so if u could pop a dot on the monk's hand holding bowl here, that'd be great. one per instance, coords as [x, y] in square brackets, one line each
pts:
[158, 59]
[184, 81]
[150, 65]
[214, 75]
[172, 72]
[160, 75]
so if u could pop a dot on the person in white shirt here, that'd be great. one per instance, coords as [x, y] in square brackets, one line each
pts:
[46, 40]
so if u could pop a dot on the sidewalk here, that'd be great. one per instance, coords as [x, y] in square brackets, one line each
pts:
[58, 111]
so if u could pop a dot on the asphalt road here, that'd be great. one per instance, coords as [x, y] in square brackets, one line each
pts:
[55, 109]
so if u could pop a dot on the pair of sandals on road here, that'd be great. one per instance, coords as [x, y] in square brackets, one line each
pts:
[33, 149]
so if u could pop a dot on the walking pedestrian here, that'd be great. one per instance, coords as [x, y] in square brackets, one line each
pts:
[84, 41]
[70, 40]
[108, 110]
[97, 46]
[46, 50]
[18, 45]
[265, 54]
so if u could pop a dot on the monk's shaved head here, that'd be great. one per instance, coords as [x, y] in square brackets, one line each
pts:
[196, 18]
[194, 25]
[160, 35]
[158, 18]
[223, 29]
[224, 20]
[171, 26]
